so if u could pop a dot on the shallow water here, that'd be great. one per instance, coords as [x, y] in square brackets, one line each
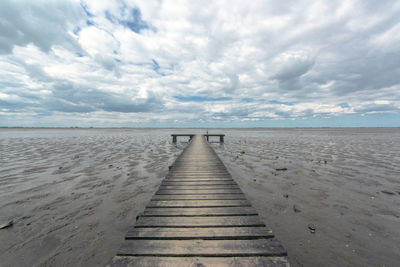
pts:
[73, 193]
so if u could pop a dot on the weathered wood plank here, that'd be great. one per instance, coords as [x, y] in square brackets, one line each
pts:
[195, 177]
[198, 179]
[198, 197]
[196, 167]
[199, 174]
[197, 248]
[177, 173]
[197, 261]
[198, 203]
[199, 191]
[203, 172]
[200, 233]
[209, 169]
[200, 171]
[220, 221]
[195, 187]
[214, 211]
[198, 183]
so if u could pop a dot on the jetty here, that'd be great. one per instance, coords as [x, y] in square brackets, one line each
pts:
[199, 217]
[207, 136]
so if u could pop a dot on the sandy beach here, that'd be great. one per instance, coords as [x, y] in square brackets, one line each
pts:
[73, 193]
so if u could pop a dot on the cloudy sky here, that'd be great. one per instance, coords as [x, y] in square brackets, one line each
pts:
[200, 63]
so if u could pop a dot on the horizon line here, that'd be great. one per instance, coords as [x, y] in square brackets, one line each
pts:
[125, 127]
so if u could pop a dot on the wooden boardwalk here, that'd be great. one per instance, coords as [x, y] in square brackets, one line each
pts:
[199, 217]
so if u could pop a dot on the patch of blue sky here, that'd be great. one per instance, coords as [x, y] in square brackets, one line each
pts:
[201, 98]
[89, 22]
[281, 102]
[76, 30]
[247, 100]
[344, 121]
[135, 23]
[250, 100]
[344, 105]
[110, 17]
[156, 66]
[86, 10]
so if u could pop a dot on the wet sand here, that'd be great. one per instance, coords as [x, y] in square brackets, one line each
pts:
[73, 193]
[346, 182]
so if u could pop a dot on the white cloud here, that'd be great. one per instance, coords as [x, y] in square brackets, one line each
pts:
[185, 61]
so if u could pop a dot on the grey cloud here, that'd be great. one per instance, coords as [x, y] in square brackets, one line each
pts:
[12, 104]
[94, 99]
[373, 73]
[290, 72]
[70, 97]
[36, 72]
[109, 63]
[377, 108]
[25, 22]
[294, 69]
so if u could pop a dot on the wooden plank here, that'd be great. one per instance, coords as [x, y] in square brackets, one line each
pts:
[205, 170]
[198, 203]
[199, 191]
[200, 233]
[198, 183]
[206, 166]
[215, 211]
[194, 177]
[220, 221]
[192, 164]
[198, 197]
[205, 248]
[197, 261]
[187, 167]
[196, 187]
[199, 173]
[205, 180]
